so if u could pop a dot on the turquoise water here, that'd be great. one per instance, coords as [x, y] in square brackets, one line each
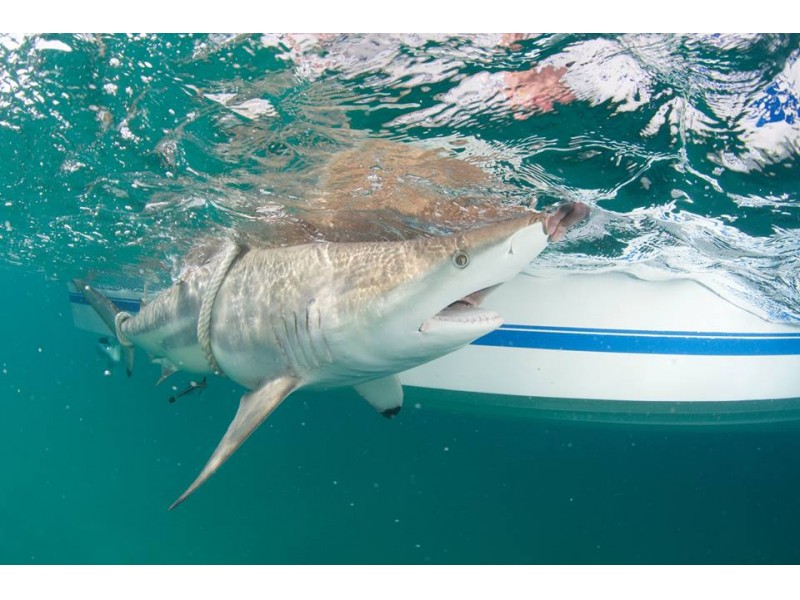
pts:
[120, 152]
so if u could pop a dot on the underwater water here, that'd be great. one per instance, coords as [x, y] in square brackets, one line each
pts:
[121, 154]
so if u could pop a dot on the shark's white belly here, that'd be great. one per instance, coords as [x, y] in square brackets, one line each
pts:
[249, 368]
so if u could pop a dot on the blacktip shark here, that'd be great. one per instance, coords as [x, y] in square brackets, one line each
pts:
[324, 315]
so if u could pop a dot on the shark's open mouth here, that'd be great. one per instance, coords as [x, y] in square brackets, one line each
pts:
[466, 311]
[465, 305]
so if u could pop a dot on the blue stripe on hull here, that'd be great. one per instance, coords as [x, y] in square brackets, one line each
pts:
[643, 342]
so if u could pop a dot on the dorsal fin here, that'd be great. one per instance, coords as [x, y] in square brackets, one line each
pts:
[254, 408]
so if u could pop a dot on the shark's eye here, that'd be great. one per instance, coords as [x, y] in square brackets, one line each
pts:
[460, 259]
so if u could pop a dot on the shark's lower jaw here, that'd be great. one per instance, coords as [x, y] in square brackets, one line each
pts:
[468, 316]
[465, 312]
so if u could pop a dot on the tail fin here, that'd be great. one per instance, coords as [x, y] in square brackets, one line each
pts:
[107, 311]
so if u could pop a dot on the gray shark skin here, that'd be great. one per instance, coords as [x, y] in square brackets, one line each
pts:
[327, 315]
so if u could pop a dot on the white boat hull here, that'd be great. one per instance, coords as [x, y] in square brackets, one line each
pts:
[615, 337]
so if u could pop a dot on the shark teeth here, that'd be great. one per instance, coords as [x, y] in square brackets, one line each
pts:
[466, 311]
[462, 314]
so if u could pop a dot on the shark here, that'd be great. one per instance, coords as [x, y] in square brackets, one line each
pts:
[325, 315]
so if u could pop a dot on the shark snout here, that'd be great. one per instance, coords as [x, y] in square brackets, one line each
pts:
[564, 217]
[519, 231]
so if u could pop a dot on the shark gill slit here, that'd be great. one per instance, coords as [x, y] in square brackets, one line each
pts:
[300, 340]
[313, 351]
[313, 348]
[279, 341]
[290, 347]
[317, 342]
[325, 345]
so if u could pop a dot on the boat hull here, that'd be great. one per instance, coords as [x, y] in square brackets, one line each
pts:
[615, 337]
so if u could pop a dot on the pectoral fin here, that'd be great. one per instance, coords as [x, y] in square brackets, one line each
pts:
[386, 394]
[254, 408]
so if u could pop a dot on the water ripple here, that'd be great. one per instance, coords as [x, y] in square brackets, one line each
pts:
[119, 149]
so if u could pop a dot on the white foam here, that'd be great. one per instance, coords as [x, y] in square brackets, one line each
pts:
[52, 45]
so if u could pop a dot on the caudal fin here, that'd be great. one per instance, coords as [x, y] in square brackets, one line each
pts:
[107, 311]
